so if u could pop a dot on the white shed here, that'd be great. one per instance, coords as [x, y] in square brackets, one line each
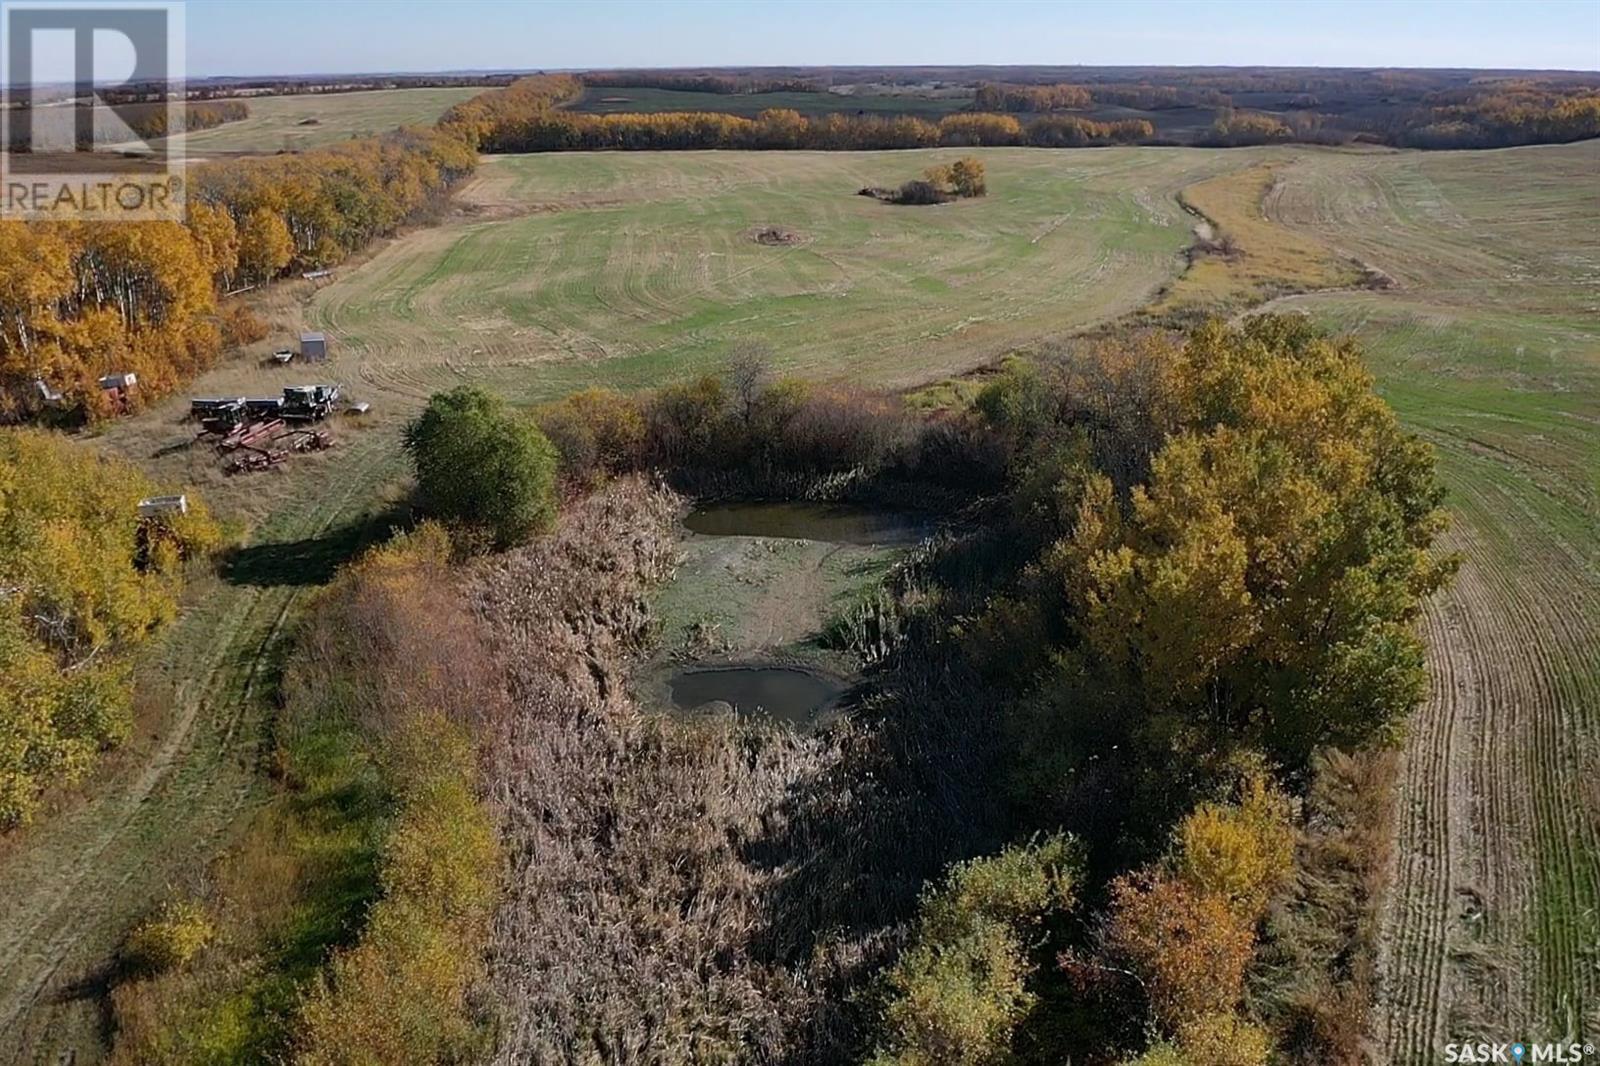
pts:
[152, 506]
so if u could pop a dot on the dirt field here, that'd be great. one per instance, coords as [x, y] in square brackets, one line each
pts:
[1490, 347]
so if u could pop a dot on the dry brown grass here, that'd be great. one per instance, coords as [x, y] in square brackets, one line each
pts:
[626, 928]
[1316, 977]
[1246, 257]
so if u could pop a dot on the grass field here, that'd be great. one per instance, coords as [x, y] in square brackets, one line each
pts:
[1490, 347]
[631, 269]
[308, 120]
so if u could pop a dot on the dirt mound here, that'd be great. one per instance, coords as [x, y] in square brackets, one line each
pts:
[776, 235]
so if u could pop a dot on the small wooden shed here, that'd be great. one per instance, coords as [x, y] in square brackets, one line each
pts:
[313, 347]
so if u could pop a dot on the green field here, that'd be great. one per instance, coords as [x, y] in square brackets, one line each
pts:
[1489, 346]
[308, 120]
[631, 269]
[931, 107]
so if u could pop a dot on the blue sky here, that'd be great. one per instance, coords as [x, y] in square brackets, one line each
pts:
[318, 36]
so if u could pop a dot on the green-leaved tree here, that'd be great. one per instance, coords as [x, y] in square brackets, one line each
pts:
[483, 466]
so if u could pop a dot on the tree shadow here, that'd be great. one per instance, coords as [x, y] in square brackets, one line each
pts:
[94, 987]
[854, 846]
[311, 560]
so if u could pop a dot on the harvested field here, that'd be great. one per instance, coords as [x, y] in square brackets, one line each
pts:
[632, 268]
[1490, 347]
[309, 120]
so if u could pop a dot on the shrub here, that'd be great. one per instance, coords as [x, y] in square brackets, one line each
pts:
[1162, 1054]
[1224, 1040]
[956, 1002]
[1241, 852]
[1190, 948]
[1215, 1040]
[168, 940]
[688, 424]
[596, 432]
[920, 192]
[483, 466]
[241, 326]
[399, 996]
[960, 990]
[963, 178]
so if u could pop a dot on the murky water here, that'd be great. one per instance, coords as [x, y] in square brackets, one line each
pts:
[835, 523]
[792, 696]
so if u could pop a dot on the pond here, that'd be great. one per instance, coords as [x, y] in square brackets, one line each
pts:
[795, 697]
[835, 523]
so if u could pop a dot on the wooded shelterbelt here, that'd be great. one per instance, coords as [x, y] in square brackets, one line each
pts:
[149, 120]
[78, 301]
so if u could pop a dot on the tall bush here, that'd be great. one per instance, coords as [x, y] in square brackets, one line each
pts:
[483, 466]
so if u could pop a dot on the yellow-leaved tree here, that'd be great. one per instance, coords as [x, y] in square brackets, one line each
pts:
[83, 581]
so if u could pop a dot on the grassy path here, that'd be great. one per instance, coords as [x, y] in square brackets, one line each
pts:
[81, 878]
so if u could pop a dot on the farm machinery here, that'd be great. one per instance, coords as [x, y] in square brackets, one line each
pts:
[255, 434]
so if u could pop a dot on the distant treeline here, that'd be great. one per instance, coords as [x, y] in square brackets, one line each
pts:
[1511, 114]
[721, 84]
[152, 92]
[554, 131]
[149, 121]
[524, 118]
[1029, 98]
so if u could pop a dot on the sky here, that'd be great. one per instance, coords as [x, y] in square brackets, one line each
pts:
[354, 36]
